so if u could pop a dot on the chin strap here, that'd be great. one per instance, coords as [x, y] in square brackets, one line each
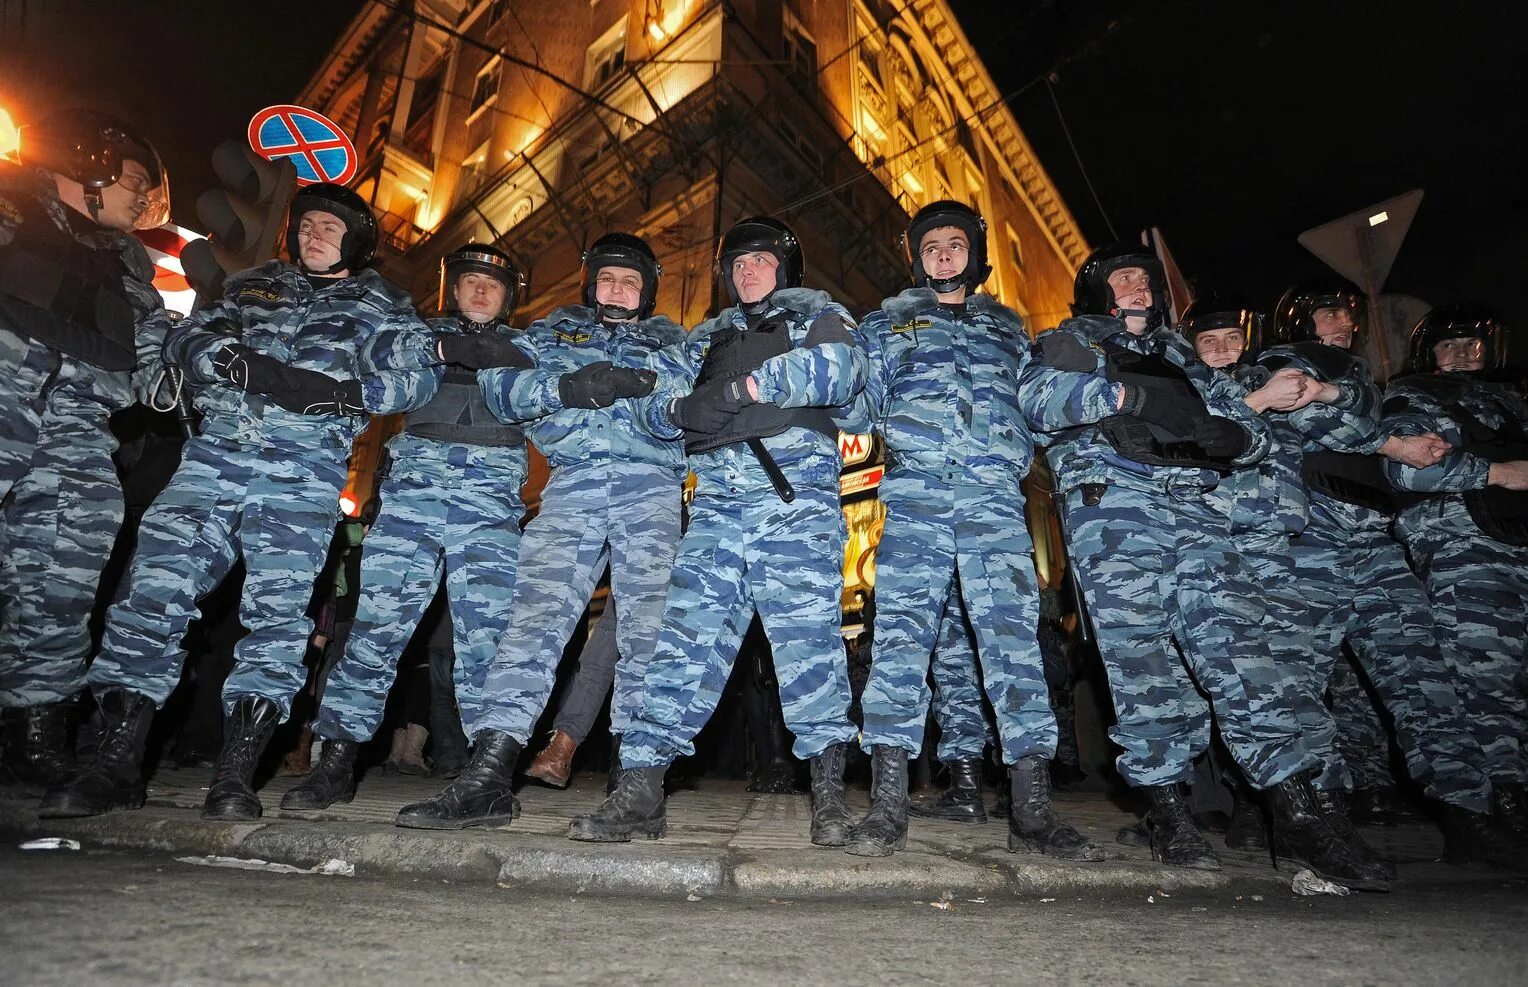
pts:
[1152, 316]
[613, 313]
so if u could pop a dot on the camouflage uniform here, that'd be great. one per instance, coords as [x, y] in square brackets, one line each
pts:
[259, 481]
[1361, 734]
[1156, 560]
[1478, 585]
[748, 551]
[615, 486]
[58, 483]
[964, 729]
[944, 389]
[450, 508]
[1354, 577]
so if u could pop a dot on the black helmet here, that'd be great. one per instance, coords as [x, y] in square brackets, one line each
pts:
[621, 250]
[1217, 310]
[1294, 319]
[479, 258]
[766, 234]
[1459, 321]
[948, 212]
[89, 147]
[1091, 294]
[360, 242]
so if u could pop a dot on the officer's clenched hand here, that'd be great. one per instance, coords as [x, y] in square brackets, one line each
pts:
[734, 393]
[250, 370]
[309, 392]
[1417, 451]
[1221, 438]
[599, 385]
[705, 409]
[1065, 351]
[477, 350]
[1161, 406]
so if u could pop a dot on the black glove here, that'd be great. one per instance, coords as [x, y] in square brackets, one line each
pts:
[1221, 438]
[733, 393]
[599, 385]
[1065, 351]
[476, 350]
[250, 370]
[1162, 406]
[705, 409]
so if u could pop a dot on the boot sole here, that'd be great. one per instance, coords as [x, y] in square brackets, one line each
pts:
[1090, 854]
[875, 848]
[965, 817]
[231, 814]
[647, 832]
[317, 807]
[556, 781]
[1204, 865]
[494, 820]
[76, 811]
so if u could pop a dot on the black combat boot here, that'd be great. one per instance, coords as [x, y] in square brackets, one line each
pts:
[115, 779]
[1034, 826]
[883, 831]
[1509, 807]
[1302, 834]
[1333, 806]
[831, 823]
[961, 800]
[1248, 830]
[231, 795]
[1477, 838]
[635, 808]
[37, 750]
[1137, 833]
[482, 795]
[331, 780]
[1175, 840]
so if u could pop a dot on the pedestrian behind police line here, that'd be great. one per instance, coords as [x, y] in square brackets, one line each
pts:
[451, 512]
[1467, 534]
[288, 365]
[614, 488]
[80, 335]
[1141, 434]
[942, 388]
[753, 392]
[1354, 573]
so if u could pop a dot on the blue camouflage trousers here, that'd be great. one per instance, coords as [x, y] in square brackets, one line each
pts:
[57, 526]
[451, 511]
[1355, 577]
[1479, 591]
[25, 369]
[1290, 633]
[964, 728]
[1361, 734]
[1157, 562]
[747, 551]
[952, 543]
[276, 505]
[632, 511]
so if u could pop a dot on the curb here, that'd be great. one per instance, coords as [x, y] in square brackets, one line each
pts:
[653, 869]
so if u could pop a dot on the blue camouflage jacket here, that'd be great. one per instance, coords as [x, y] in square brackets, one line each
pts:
[570, 338]
[362, 327]
[76, 386]
[1268, 497]
[943, 390]
[823, 375]
[1423, 403]
[1350, 424]
[1057, 400]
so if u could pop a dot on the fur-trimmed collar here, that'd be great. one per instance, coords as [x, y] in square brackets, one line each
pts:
[914, 302]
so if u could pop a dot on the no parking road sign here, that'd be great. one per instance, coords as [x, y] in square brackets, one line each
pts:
[316, 146]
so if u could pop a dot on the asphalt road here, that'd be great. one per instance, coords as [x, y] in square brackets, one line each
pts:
[108, 917]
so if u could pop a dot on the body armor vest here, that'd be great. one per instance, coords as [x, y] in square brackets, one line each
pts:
[458, 413]
[65, 295]
[734, 352]
[1354, 478]
[1498, 512]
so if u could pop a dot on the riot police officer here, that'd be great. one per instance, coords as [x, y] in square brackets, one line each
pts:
[1468, 532]
[288, 365]
[945, 362]
[451, 510]
[78, 341]
[614, 489]
[1141, 434]
[752, 392]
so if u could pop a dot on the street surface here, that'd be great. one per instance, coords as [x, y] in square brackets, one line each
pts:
[115, 917]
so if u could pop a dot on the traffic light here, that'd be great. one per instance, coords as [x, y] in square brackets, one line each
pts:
[243, 218]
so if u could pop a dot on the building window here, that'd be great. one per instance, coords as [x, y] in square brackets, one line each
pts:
[486, 88]
[496, 10]
[474, 170]
[1015, 250]
[607, 57]
[800, 50]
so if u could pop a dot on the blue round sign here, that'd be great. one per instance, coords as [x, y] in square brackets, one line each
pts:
[315, 145]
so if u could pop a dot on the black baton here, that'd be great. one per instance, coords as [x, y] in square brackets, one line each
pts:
[772, 470]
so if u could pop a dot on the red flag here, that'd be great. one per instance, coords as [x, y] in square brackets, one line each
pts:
[1179, 297]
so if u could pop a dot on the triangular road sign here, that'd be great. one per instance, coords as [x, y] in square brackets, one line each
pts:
[1362, 245]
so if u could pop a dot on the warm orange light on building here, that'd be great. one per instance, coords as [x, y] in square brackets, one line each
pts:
[10, 136]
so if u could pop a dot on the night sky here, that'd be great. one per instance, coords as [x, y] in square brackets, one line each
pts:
[1233, 126]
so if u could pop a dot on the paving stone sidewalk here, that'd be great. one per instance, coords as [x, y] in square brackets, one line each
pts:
[722, 841]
